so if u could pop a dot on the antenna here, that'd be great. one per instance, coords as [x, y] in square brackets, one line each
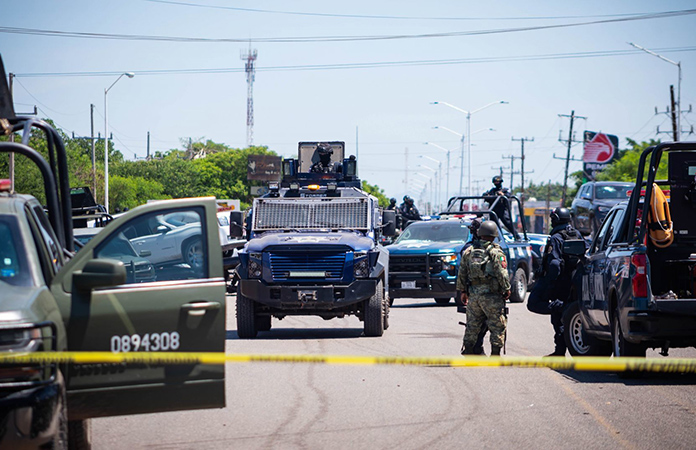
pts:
[250, 69]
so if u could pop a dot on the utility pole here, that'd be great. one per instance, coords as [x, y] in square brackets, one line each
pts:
[92, 146]
[250, 69]
[522, 141]
[673, 113]
[147, 157]
[548, 207]
[567, 158]
[357, 158]
[512, 159]
[94, 158]
[406, 171]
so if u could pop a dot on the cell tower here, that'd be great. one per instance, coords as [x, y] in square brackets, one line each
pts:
[250, 68]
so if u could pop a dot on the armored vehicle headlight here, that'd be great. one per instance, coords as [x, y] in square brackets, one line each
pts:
[255, 265]
[254, 269]
[361, 265]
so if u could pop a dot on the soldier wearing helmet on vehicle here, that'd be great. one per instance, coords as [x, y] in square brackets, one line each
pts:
[324, 165]
[502, 207]
[408, 211]
[554, 278]
[485, 286]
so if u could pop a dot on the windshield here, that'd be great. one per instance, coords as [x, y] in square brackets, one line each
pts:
[436, 231]
[13, 262]
[612, 192]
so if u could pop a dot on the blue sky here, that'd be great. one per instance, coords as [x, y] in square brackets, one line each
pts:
[390, 106]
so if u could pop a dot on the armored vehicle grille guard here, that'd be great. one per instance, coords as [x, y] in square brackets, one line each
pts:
[314, 214]
[288, 264]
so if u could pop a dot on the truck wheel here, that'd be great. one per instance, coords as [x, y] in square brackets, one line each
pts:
[80, 435]
[263, 323]
[621, 346]
[442, 301]
[578, 342]
[387, 304]
[518, 286]
[374, 313]
[246, 318]
[192, 252]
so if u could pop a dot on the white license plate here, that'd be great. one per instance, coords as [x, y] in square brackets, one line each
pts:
[408, 285]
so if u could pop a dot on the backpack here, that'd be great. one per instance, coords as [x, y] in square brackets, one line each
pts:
[477, 264]
[570, 262]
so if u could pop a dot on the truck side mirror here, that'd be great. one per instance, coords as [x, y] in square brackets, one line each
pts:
[574, 247]
[236, 221]
[389, 223]
[100, 273]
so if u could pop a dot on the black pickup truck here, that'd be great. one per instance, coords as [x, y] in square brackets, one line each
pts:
[636, 289]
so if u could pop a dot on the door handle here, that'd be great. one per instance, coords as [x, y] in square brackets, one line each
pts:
[199, 308]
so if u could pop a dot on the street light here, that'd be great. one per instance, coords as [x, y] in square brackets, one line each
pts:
[106, 141]
[468, 141]
[448, 165]
[439, 177]
[678, 64]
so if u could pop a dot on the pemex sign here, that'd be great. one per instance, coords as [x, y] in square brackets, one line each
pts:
[599, 150]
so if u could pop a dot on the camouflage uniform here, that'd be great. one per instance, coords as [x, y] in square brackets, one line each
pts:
[485, 290]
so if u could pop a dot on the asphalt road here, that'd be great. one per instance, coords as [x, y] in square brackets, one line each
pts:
[271, 405]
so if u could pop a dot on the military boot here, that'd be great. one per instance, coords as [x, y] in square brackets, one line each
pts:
[560, 349]
[495, 350]
[467, 350]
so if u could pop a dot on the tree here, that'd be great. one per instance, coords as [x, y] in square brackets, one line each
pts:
[541, 191]
[377, 192]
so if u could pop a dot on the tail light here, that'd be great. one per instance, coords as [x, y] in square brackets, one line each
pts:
[639, 283]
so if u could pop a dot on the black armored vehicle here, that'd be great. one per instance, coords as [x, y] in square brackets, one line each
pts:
[313, 246]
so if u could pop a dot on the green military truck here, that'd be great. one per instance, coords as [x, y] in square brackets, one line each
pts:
[53, 299]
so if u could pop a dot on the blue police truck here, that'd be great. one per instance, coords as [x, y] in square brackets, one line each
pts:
[313, 246]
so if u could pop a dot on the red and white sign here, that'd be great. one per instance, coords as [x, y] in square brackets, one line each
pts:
[599, 149]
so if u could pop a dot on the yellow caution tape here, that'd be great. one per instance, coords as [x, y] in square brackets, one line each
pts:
[602, 364]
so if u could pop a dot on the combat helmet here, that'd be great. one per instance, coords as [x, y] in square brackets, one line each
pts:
[488, 228]
[560, 216]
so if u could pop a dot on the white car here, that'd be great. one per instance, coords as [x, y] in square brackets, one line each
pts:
[172, 238]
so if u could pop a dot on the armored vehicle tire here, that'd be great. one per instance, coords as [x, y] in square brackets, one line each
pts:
[442, 300]
[246, 317]
[263, 323]
[578, 342]
[374, 313]
[621, 346]
[192, 252]
[518, 286]
[80, 435]
[387, 304]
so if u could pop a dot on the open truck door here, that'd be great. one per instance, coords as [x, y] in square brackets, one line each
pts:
[116, 298]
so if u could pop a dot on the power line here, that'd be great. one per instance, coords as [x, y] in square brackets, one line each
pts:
[369, 65]
[390, 17]
[305, 39]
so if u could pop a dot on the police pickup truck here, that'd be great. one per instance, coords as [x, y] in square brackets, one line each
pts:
[423, 262]
[54, 299]
[314, 247]
[636, 289]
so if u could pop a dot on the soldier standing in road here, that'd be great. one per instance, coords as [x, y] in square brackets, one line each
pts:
[554, 278]
[484, 285]
[502, 207]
